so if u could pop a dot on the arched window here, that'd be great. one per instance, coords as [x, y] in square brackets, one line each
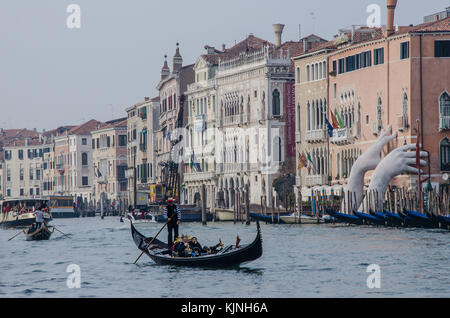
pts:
[308, 76]
[276, 111]
[84, 159]
[444, 111]
[298, 117]
[324, 69]
[445, 154]
[308, 116]
[298, 75]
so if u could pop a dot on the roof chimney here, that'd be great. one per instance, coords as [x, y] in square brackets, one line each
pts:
[223, 47]
[146, 98]
[305, 45]
[278, 29]
[390, 4]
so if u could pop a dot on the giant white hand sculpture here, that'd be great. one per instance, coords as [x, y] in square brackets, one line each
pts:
[398, 161]
[366, 162]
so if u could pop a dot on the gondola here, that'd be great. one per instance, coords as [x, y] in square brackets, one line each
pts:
[229, 256]
[268, 218]
[43, 233]
[345, 218]
[369, 218]
[444, 221]
[418, 219]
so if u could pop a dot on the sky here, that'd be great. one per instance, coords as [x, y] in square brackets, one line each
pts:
[51, 75]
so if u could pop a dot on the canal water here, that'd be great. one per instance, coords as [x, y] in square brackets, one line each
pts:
[297, 261]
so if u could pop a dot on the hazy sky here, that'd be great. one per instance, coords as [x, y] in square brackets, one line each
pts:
[51, 75]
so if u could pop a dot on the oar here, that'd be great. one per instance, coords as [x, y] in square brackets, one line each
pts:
[15, 235]
[60, 231]
[151, 241]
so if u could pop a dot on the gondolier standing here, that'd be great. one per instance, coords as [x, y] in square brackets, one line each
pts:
[173, 215]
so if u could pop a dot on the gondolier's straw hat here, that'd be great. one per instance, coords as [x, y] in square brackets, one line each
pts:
[170, 200]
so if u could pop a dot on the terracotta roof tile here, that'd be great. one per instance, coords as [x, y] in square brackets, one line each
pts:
[86, 128]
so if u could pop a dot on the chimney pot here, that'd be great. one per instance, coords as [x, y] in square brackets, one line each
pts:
[223, 47]
[278, 29]
[391, 5]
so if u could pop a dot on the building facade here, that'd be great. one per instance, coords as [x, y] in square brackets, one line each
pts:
[109, 155]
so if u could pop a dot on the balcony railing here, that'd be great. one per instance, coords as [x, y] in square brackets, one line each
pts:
[316, 135]
[314, 180]
[444, 123]
[343, 136]
[199, 176]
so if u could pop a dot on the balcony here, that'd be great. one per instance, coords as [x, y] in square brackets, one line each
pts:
[343, 136]
[198, 176]
[297, 137]
[314, 180]
[316, 135]
[444, 123]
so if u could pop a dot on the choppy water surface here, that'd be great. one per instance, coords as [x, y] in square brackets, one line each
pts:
[298, 261]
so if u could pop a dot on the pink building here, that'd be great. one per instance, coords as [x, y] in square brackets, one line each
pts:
[394, 78]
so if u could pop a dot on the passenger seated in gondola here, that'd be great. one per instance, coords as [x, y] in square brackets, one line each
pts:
[195, 246]
[183, 248]
[213, 249]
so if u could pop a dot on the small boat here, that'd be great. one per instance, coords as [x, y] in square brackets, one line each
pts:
[229, 256]
[268, 218]
[43, 233]
[345, 218]
[21, 212]
[224, 215]
[149, 218]
[304, 219]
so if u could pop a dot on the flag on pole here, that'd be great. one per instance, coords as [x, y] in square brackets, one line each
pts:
[311, 163]
[302, 161]
[330, 127]
[334, 121]
[341, 123]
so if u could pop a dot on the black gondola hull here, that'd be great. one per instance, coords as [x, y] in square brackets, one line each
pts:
[230, 258]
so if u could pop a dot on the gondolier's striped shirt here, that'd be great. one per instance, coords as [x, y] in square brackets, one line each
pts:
[178, 212]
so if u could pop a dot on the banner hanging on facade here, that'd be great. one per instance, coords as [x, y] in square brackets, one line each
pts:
[289, 112]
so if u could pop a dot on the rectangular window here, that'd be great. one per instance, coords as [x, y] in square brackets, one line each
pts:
[31, 191]
[38, 191]
[93, 143]
[341, 66]
[442, 48]
[21, 192]
[334, 90]
[108, 141]
[404, 50]
[84, 141]
[20, 154]
[334, 67]
[378, 56]
[85, 181]
[122, 140]
[350, 63]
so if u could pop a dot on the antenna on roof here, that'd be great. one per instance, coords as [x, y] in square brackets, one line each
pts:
[299, 32]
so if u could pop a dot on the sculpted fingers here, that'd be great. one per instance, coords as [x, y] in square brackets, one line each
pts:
[412, 161]
[412, 170]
